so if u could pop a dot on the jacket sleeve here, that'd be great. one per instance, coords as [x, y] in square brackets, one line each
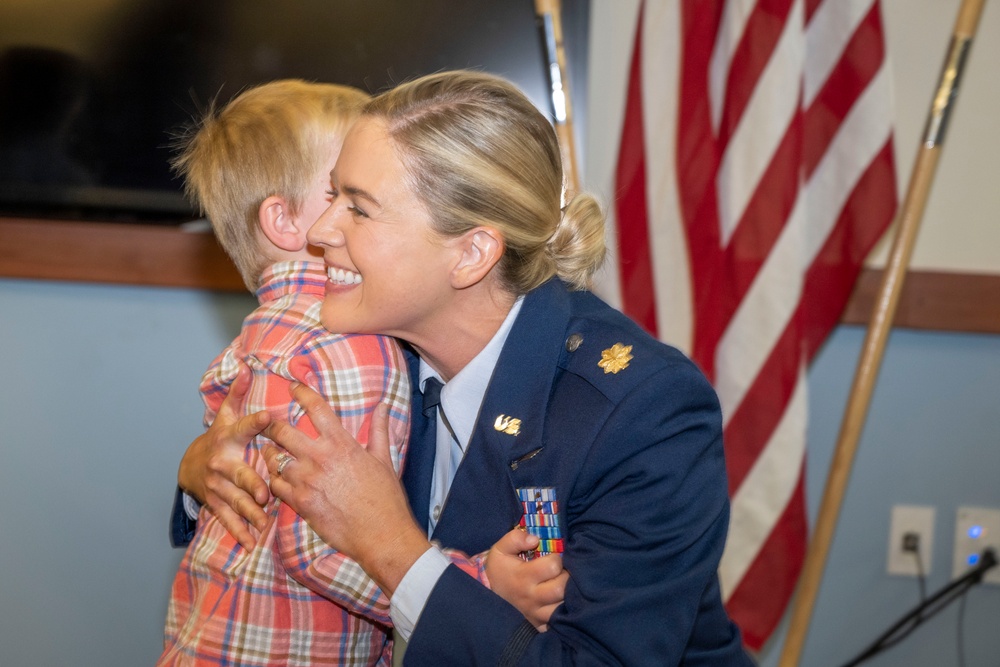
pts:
[182, 526]
[646, 523]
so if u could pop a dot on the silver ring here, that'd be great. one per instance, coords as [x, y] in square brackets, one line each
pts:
[284, 458]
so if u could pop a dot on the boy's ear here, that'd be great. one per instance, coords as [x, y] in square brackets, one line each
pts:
[480, 249]
[279, 225]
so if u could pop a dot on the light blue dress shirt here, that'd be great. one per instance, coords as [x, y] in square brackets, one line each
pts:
[461, 399]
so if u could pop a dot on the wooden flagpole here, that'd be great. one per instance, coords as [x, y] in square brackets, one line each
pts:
[550, 11]
[866, 373]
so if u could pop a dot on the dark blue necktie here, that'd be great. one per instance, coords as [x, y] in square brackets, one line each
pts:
[432, 397]
[432, 401]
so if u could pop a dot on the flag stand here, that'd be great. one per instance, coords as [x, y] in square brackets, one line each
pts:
[550, 12]
[878, 328]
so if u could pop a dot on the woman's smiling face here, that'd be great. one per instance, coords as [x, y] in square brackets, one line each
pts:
[388, 270]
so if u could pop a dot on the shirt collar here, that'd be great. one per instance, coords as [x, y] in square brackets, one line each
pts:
[288, 277]
[462, 396]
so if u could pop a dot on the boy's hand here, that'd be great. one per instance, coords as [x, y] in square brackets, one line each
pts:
[535, 587]
[214, 472]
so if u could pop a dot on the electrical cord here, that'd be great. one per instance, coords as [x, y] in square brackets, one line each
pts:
[921, 577]
[926, 609]
[961, 625]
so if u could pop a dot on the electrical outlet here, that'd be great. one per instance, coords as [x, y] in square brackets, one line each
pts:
[910, 520]
[976, 528]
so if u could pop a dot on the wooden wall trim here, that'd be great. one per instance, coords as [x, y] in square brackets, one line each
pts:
[168, 256]
[933, 300]
[132, 254]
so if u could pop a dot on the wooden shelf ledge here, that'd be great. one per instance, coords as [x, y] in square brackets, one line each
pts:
[170, 256]
[107, 252]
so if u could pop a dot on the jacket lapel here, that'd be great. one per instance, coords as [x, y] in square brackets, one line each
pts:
[482, 502]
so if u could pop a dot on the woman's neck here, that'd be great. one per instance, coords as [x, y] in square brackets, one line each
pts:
[456, 339]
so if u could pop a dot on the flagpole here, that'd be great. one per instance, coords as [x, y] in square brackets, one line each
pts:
[550, 11]
[879, 326]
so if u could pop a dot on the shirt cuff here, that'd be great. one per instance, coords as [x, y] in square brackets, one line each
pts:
[191, 506]
[411, 595]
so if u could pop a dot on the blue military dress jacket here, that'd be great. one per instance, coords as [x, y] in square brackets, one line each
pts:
[626, 433]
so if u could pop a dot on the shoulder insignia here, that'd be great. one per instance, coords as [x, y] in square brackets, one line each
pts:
[615, 358]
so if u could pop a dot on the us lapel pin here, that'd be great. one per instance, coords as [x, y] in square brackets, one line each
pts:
[508, 425]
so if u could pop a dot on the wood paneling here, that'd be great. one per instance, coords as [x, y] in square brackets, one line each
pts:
[169, 256]
[966, 302]
[164, 256]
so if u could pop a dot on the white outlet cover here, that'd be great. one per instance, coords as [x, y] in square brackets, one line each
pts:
[918, 519]
[976, 528]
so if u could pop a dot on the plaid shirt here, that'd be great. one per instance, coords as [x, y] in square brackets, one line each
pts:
[272, 605]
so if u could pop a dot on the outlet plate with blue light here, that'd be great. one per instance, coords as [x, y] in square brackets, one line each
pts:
[976, 528]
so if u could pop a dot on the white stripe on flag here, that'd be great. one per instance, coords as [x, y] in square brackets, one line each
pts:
[861, 136]
[734, 21]
[765, 492]
[828, 33]
[763, 125]
[660, 55]
[763, 314]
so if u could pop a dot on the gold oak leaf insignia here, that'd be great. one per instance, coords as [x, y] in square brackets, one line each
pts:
[615, 358]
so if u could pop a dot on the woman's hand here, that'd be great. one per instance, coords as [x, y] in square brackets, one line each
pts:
[348, 494]
[214, 472]
[536, 587]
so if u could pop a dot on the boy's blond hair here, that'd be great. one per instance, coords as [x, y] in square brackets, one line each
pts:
[269, 140]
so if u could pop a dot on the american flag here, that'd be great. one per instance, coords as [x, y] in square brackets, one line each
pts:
[754, 175]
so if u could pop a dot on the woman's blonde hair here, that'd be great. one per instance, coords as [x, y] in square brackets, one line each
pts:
[269, 140]
[479, 153]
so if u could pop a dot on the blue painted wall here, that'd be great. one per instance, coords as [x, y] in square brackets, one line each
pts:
[99, 400]
[931, 438]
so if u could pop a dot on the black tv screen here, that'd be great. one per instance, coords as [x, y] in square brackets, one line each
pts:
[92, 91]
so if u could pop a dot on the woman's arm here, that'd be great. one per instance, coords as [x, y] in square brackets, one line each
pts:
[373, 522]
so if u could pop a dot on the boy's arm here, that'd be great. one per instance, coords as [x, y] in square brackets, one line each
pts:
[535, 588]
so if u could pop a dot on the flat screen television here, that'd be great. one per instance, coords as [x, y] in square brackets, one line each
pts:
[92, 91]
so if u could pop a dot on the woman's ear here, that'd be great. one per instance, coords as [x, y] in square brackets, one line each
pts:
[279, 225]
[481, 248]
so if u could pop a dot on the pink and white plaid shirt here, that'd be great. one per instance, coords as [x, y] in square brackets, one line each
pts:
[292, 600]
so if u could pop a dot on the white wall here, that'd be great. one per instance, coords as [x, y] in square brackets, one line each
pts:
[959, 230]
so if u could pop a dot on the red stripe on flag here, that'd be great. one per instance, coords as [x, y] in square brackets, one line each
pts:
[763, 30]
[760, 226]
[811, 7]
[697, 162]
[862, 59]
[759, 601]
[753, 423]
[634, 250]
[831, 277]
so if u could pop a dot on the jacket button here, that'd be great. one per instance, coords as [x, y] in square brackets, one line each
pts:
[573, 342]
